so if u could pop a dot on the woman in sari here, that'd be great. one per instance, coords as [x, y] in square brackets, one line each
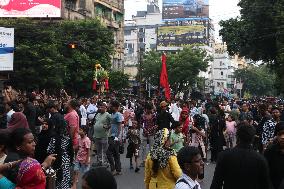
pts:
[30, 174]
[161, 168]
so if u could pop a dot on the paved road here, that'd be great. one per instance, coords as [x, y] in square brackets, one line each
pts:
[131, 180]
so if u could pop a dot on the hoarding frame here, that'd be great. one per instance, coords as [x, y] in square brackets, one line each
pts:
[7, 47]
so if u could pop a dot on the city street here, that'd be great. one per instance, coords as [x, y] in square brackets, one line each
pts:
[131, 180]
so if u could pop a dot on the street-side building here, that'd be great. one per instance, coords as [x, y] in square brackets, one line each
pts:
[222, 71]
[140, 36]
[109, 12]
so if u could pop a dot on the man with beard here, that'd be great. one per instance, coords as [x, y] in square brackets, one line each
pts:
[101, 128]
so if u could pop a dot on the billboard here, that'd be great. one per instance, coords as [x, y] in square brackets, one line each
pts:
[185, 9]
[173, 37]
[6, 49]
[30, 8]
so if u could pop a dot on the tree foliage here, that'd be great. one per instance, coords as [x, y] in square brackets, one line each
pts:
[258, 81]
[43, 59]
[258, 33]
[118, 80]
[183, 67]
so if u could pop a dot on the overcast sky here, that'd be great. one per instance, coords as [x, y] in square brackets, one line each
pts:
[219, 9]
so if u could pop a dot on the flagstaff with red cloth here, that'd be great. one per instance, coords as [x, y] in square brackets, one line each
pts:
[164, 82]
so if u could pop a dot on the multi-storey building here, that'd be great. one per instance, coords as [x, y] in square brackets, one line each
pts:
[140, 36]
[222, 70]
[109, 12]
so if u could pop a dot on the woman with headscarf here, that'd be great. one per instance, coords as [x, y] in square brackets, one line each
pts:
[185, 121]
[161, 168]
[61, 144]
[43, 140]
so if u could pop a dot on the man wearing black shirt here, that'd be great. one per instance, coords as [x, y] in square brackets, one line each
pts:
[275, 157]
[241, 167]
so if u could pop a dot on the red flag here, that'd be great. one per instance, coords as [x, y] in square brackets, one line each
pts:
[164, 82]
[106, 84]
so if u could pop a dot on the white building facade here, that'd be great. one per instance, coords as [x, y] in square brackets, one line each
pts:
[140, 36]
[222, 71]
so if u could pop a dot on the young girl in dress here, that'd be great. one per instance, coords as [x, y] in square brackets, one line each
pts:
[230, 132]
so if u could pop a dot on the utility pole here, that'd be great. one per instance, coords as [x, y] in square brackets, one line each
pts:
[140, 55]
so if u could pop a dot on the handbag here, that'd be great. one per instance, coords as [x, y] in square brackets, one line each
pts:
[121, 148]
[50, 178]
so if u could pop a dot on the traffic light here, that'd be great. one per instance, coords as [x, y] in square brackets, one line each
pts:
[72, 45]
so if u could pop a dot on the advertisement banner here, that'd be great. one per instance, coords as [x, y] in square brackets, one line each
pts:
[181, 36]
[182, 9]
[30, 8]
[6, 49]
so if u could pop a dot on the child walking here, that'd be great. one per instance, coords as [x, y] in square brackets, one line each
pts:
[230, 132]
[134, 141]
[82, 162]
[177, 138]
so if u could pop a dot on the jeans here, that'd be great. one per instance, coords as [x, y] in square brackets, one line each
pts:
[101, 147]
[144, 144]
[113, 155]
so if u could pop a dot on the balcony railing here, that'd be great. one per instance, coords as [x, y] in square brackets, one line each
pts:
[114, 3]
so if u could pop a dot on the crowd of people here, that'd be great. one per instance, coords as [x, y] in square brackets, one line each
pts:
[42, 134]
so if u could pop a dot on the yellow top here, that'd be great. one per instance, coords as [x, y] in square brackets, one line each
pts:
[166, 178]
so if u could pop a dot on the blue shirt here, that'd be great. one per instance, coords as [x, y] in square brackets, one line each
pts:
[116, 119]
[6, 184]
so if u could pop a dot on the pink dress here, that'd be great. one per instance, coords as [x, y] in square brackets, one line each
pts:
[84, 147]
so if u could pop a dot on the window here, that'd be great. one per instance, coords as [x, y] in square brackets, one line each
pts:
[141, 40]
[141, 30]
[130, 46]
[221, 63]
[71, 4]
[82, 4]
[222, 73]
[152, 46]
[127, 32]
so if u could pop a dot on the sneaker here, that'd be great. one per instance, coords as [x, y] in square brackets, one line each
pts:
[137, 170]
[119, 173]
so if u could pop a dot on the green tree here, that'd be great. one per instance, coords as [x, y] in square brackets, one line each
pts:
[183, 67]
[257, 80]
[258, 33]
[43, 59]
[118, 80]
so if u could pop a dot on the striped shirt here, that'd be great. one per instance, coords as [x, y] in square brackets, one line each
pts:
[188, 184]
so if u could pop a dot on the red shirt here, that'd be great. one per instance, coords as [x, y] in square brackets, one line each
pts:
[72, 120]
